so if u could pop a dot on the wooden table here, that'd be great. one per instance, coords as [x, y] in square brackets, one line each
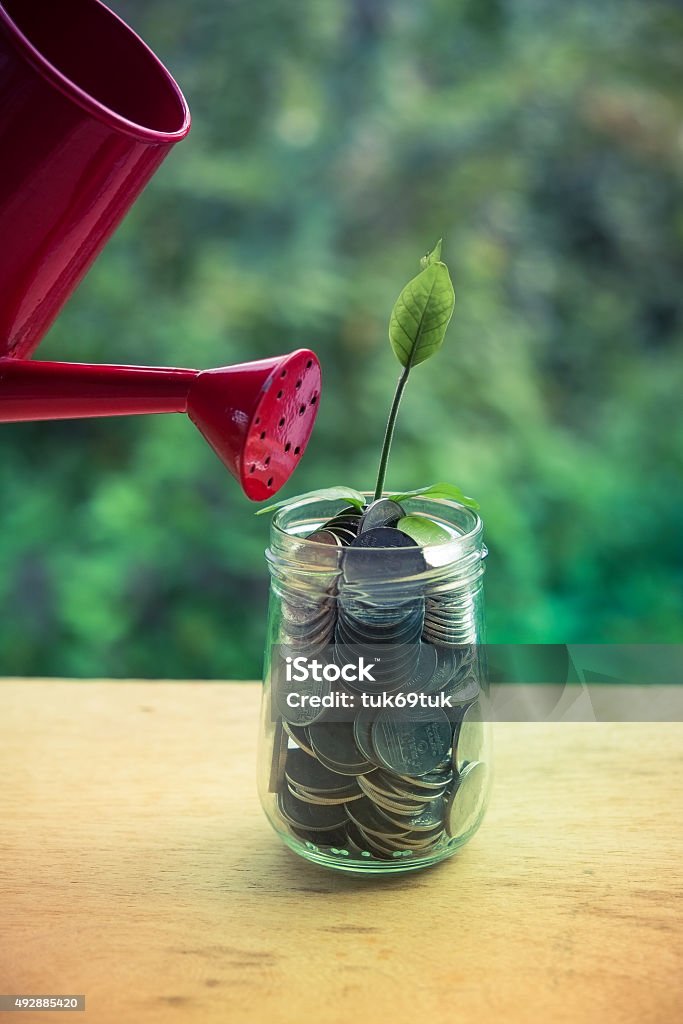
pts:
[136, 867]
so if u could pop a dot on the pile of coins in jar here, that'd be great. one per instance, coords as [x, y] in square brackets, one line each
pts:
[395, 770]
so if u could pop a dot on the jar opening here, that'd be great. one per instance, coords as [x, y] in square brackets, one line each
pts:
[290, 551]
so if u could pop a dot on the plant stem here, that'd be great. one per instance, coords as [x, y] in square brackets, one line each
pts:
[389, 434]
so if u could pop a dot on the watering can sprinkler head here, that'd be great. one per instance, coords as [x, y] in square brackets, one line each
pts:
[256, 416]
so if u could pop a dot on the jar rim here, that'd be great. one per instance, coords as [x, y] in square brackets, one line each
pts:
[461, 540]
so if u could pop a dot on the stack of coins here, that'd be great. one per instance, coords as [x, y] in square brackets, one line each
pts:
[385, 783]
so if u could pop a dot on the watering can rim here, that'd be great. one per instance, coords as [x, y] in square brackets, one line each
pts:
[83, 99]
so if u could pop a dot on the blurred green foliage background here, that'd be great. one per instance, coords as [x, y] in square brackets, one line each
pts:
[334, 141]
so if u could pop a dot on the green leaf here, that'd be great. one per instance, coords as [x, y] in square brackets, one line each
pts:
[421, 315]
[326, 494]
[432, 257]
[423, 530]
[447, 491]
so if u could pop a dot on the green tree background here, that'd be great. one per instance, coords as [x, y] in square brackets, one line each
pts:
[333, 143]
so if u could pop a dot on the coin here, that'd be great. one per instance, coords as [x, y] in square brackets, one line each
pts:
[357, 841]
[362, 734]
[411, 744]
[466, 803]
[324, 537]
[426, 820]
[425, 668]
[368, 816]
[360, 560]
[310, 816]
[309, 773]
[303, 713]
[401, 788]
[335, 838]
[344, 536]
[323, 801]
[278, 758]
[424, 846]
[299, 734]
[350, 510]
[405, 804]
[383, 512]
[469, 739]
[431, 782]
[304, 612]
[383, 848]
[335, 746]
[463, 690]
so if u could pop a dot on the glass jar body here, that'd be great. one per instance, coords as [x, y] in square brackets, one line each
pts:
[374, 747]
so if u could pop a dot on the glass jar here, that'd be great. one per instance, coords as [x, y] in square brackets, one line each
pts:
[374, 750]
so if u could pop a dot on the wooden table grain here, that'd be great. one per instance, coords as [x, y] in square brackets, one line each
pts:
[136, 867]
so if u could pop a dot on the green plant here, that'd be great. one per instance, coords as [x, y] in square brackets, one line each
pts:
[417, 328]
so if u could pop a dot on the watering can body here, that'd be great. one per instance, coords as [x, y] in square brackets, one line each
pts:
[87, 115]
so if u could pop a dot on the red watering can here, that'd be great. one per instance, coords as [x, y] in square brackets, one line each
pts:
[87, 115]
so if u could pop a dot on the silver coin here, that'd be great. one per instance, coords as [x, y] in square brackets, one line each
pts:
[304, 612]
[441, 638]
[300, 736]
[358, 842]
[383, 512]
[373, 787]
[425, 668]
[350, 771]
[412, 744]
[384, 848]
[350, 512]
[303, 630]
[368, 816]
[310, 816]
[465, 805]
[362, 564]
[444, 670]
[469, 740]
[382, 628]
[425, 821]
[399, 788]
[374, 621]
[396, 811]
[383, 609]
[423, 840]
[462, 691]
[319, 634]
[431, 782]
[355, 840]
[335, 741]
[346, 520]
[322, 801]
[344, 536]
[308, 773]
[334, 839]
[304, 714]
[362, 734]
[278, 758]
[454, 633]
[395, 803]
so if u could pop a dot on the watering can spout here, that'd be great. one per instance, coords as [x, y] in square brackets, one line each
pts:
[257, 416]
